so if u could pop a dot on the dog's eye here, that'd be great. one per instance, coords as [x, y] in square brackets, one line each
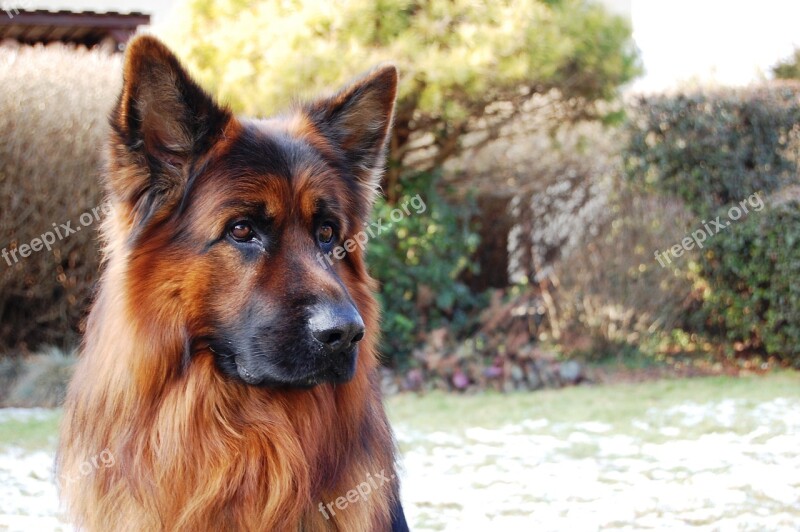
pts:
[242, 232]
[325, 234]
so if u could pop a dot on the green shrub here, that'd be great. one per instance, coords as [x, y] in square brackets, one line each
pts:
[789, 68]
[418, 262]
[53, 110]
[715, 148]
[753, 271]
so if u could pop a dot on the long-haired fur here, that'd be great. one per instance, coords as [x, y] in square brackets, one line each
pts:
[193, 449]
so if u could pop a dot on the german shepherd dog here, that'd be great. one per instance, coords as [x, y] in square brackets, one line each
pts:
[228, 377]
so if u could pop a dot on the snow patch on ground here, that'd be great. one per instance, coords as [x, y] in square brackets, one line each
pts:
[28, 499]
[592, 476]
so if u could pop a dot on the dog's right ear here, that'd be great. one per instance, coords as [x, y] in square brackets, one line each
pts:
[162, 122]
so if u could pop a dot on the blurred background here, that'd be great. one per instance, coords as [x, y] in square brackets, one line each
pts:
[569, 152]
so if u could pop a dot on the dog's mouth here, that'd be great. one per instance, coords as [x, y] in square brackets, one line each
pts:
[340, 372]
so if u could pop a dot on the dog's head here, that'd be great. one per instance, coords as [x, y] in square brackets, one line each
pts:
[247, 234]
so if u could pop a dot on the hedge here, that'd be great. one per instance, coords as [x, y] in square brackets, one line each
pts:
[53, 110]
[754, 275]
[713, 149]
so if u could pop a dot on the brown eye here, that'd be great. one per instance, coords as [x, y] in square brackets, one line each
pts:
[242, 232]
[325, 234]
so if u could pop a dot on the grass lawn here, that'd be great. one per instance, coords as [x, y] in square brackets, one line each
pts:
[34, 431]
[614, 404]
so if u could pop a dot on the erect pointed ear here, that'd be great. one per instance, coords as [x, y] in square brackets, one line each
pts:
[162, 121]
[357, 120]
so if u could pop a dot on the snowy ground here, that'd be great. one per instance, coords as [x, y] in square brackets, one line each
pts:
[658, 474]
[28, 499]
[720, 465]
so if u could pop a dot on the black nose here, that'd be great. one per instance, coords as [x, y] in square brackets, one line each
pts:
[336, 326]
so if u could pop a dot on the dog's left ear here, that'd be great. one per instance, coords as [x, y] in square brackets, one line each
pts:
[357, 122]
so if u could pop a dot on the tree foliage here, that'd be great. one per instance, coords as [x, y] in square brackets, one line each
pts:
[465, 65]
[788, 69]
